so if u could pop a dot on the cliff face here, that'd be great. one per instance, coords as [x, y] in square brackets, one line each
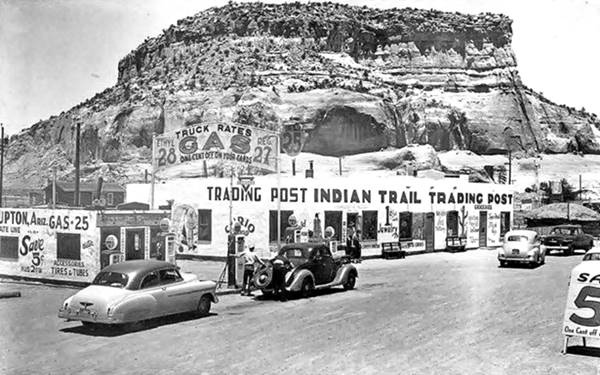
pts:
[357, 79]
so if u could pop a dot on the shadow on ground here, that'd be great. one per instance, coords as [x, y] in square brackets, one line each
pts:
[123, 329]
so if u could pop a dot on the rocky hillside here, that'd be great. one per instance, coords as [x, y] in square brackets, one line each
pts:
[357, 79]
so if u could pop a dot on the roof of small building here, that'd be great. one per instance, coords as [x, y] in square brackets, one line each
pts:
[567, 211]
[87, 186]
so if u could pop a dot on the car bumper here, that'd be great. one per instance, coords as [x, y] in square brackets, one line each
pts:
[92, 316]
[522, 259]
[556, 247]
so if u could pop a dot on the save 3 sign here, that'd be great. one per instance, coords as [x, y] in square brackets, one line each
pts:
[582, 312]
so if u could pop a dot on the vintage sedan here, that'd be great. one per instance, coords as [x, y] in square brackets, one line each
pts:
[522, 246]
[137, 290]
[313, 267]
[568, 238]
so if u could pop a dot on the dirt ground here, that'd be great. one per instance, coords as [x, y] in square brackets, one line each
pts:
[431, 314]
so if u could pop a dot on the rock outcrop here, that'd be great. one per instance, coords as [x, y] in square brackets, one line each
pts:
[357, 79]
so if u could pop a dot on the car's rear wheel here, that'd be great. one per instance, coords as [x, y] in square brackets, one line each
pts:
[307, 288]
[203, 307]
[350, 282]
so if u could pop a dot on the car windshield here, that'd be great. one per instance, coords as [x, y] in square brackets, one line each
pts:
[563, 231]
[517, 238]
[591, 256]
[114, 279]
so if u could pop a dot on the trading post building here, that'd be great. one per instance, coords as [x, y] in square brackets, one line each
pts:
[420, 213]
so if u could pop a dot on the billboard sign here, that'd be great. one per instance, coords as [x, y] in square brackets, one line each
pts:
[582, 312]
[241, 144]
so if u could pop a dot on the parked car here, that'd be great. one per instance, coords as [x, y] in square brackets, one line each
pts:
[568, 238]
[592, 254]
[522, 246]
[313, 267]
[137, 290]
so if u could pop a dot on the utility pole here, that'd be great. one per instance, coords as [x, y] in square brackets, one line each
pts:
[77, 135]
[509, 166]
[579, 187]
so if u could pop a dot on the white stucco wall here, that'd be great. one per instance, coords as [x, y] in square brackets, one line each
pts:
[305, 198]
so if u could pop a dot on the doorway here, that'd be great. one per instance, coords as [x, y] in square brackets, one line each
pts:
[134, 244]
[482, 228]
[429, 232]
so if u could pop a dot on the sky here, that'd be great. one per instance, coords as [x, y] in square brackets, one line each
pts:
[55, 54]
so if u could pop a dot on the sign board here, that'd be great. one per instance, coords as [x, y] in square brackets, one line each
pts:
[582, 312]
[111, 242]
[245, 145]
[292, 140]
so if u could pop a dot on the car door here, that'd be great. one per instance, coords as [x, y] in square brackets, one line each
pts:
[150, 285]
[316, 266]
[328, 264]
[579, 239]
[180, 295]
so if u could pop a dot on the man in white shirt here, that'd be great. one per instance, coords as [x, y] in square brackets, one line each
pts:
[250, 260]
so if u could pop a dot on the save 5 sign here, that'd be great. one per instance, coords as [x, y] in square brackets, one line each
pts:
[582, 312]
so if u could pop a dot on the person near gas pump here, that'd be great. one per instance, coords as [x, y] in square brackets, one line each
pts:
[250, 262]
[281, 266]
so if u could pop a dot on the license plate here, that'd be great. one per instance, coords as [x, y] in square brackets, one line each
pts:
[515, 251]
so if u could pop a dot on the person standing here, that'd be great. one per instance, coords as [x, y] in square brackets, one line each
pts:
[357, 246]
[281, 265]
[250, 261]
[350, 243]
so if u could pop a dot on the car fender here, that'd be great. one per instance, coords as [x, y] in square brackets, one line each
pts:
[138, 307]
[343, 273]
[297, 278]
[208, 287]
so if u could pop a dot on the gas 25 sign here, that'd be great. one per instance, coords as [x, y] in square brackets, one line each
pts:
[582, 313]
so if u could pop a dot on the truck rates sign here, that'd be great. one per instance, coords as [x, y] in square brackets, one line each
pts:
[215, 142]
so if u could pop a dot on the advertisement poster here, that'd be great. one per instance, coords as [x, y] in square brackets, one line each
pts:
[582, 312]
[239, 144]
[51, 244]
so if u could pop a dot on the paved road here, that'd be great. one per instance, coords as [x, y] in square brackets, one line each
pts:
[430, 314]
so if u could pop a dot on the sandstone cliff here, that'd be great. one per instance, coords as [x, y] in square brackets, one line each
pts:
[357, 79]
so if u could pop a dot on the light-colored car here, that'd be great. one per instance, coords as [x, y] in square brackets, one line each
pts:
[137, 290]
[592, 254]
[522, 246]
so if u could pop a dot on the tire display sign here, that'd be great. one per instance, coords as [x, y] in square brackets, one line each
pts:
[582, 312]
[235, 143]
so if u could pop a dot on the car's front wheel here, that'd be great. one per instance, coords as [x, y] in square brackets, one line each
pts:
[350, 282]
[203, 307]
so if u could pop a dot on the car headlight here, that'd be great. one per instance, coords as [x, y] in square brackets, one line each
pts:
[67, 303]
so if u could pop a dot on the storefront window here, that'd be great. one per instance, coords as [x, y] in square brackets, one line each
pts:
[334, 219]
[452, 223]
[369, 225]
[284, 215]
[9, 248]
[405, 225]
[204, 225]
[68, 246]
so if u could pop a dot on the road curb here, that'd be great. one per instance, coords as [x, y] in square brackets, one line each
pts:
[10, 294]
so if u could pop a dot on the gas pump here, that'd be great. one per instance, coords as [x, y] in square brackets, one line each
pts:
[166, 243]
[240, 241]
